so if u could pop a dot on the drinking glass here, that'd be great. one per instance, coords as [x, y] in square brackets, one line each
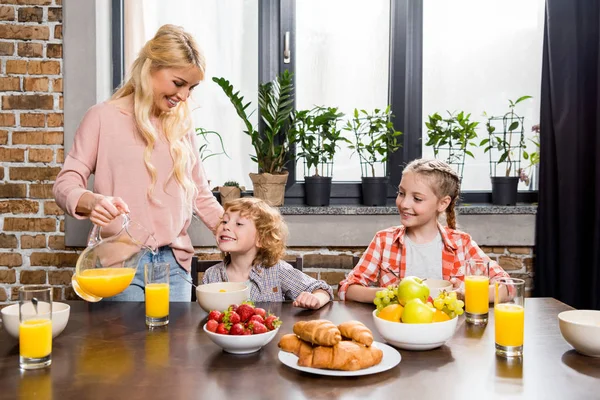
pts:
[509, 316]
[156, 277]
[35, 327]
[477, 296]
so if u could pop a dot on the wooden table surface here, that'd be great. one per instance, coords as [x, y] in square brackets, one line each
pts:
[106, 352]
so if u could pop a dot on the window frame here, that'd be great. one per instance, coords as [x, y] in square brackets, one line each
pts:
[404, 93]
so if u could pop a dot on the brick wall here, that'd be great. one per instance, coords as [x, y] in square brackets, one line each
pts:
[332, 265]
[31, 153]
[31, 147]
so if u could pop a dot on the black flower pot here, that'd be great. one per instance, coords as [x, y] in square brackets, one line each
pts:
[374, 191]
[504, 190]
[317, 190]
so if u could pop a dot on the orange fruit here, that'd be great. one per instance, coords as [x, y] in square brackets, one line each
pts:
[393, 312]
[440, 316]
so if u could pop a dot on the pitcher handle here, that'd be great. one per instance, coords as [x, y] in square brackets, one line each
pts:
[96, 230]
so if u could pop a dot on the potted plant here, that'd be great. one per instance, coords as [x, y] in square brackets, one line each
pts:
[318, 135]
[205, 150]
[230, 190]
[450, 138]
[506, 147]
[529, 174]
[272, 146]
[374, 139]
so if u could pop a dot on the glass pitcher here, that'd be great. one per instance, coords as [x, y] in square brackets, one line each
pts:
[108, 265]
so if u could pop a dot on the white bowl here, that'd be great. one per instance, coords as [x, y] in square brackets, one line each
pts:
[210, 296]
[243, 344]
[60, 317]
[436, 286]
[415, 336]
[581, 329]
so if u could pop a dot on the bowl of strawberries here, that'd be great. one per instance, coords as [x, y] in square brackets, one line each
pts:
[242, 329]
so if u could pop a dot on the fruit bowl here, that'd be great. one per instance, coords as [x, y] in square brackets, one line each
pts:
[220, 295]
[581, 329]
[60, 317]
[415, 336]
[245, 344]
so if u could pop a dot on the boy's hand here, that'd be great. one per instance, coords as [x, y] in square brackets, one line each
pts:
[307, 300]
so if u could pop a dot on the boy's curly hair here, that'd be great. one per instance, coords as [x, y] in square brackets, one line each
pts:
[271, 229]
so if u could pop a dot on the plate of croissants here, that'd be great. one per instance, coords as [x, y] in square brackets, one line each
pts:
[323, 348]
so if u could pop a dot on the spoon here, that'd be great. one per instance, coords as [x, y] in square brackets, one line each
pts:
[34, 301]
[185, 278]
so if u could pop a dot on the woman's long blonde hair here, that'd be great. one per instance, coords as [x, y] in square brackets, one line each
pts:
[171, 47]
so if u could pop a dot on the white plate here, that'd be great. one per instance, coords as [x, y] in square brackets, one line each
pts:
[391, 358]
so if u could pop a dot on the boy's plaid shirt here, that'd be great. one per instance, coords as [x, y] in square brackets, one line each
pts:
[384, 261]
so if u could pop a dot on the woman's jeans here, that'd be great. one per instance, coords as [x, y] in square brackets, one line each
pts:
[179, 289]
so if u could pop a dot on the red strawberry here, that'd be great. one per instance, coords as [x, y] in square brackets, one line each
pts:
[214, 315]
[231, 317]
[257, 318]
[222, 329]
[211, 325]
[257, 328]
[247, 331]
[237, 329]
[261, 312]
[233, 307]
[272, 322]
[245, 311]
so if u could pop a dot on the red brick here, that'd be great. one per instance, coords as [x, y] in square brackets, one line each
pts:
[58, 32]
[55, 120]
[510, 263]
[40, 191]
[3, 297]
[32, 277]
[54, 50]
[54, 259]
[61, 103]
[3, 139]
[33, 120]
[7, 49]
[1, 174]
[8, 276]
[60, 277]
[10, 154]
[16, 67]
[30, 49]
[12, 190]
[56, 242]
[19, 207]
[8, 241]
[57, 294]
[28, 102]
[31, 14]
[10, 259]
[7, 119]
[35, 84]
[60, 154]
[62, 226]
[43, 68]
[38, 137]
[519, 250]
[24, 32]
[10, 84]
[29, 224]
[7, 13]
[57, 85]
[51, 208]
[33, 174]
[70, 294]
[28, 2]
[55, 14]
[40, 155]
[33, 242]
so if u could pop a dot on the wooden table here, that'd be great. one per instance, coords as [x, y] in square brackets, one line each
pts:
[106, 352]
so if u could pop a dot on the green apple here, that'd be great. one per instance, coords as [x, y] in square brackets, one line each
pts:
[417, 312]
[410, 288]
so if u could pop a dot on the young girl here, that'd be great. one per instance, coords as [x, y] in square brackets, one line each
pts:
[141, 148]
[252, 236]
[421, 246]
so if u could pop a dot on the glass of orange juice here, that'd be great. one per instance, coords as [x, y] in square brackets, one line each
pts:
[477, 297]
[509, 316]
[156, 277]
[35, 326]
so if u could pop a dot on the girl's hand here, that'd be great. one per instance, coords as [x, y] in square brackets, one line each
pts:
[458, 288]
[307, 300]
[106, 208]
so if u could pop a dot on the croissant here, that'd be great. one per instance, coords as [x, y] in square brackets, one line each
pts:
[344, 356]
[356, 331]
[319, 332]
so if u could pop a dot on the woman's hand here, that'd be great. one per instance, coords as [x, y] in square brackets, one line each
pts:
[101, 209]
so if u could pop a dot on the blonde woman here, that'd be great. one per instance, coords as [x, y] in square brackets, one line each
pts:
[140, 146]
